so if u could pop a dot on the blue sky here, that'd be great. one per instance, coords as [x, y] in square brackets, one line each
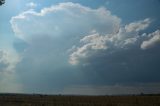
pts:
[91, 47]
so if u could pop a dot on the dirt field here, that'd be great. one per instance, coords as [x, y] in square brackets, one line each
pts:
[60, 100]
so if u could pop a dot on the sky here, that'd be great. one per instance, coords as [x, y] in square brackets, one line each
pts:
[80, 47]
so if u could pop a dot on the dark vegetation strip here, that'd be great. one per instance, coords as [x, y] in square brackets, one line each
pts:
[64, 100]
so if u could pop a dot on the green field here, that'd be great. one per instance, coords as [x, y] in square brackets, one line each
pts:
[61, 100]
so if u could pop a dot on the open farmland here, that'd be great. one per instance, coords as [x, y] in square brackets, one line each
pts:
[60, 100]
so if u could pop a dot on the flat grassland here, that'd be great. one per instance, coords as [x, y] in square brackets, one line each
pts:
[67, 100]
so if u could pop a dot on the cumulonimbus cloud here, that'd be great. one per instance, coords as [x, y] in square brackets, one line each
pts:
[74, 22]
[65, 21]
[86, 33]
[52, 31]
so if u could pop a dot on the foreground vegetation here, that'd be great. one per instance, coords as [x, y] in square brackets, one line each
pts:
[60, 100]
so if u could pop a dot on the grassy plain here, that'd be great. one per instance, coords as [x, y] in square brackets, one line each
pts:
[66, 100]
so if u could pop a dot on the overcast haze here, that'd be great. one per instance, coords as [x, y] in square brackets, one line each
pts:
[90, 47]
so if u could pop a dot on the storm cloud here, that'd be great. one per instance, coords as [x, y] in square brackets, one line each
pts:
[70, 44]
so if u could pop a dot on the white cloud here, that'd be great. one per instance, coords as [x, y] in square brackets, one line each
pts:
[72, 22]
[8, 61]
[69, 22]
[154, 38]
[94, 44]
[138, 26]
[31, 5]
[65, 19]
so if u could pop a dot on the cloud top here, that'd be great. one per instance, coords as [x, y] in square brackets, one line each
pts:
[62, 20]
